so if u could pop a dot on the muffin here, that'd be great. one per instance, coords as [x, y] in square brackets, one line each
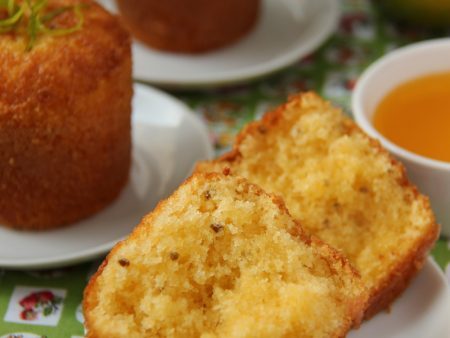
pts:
[189, 26]
[221, 258]
[343, 187]
[65, 105]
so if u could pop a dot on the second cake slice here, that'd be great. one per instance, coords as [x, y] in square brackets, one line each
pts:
[342, 186]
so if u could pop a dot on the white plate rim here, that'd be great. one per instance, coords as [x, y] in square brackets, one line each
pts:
[99, 250]
[434, 272]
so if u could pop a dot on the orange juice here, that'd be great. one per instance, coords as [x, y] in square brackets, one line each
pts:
[416, 116]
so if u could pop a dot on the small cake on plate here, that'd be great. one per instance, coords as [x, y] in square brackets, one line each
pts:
[189, 26]
[65, 105]
[222, 258]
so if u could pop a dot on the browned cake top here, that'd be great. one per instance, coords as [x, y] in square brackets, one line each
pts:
[57, 65]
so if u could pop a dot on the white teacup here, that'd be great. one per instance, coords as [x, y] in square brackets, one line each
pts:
[431, 176]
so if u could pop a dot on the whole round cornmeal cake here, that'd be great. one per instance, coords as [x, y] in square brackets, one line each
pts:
[65, 108]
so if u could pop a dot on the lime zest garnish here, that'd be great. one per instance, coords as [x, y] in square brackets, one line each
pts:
[64, 31]
[33, 21]
[11, 6]
[14, 14]
[36, 19]
[53, 14]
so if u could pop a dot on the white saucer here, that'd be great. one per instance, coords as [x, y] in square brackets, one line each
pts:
[286, 31]
[168, 139]
[422, 311]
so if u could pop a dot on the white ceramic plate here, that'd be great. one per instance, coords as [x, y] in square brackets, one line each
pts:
[422, 311]
[286, 31]
[168, 139]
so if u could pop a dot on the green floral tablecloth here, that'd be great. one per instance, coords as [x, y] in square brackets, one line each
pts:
[47, 303]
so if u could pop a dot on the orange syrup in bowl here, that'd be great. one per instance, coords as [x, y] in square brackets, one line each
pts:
[416, 116]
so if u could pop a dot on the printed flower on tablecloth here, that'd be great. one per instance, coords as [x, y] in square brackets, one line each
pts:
[45, 302]
[338, 87]
[357, 25]
[37, 306]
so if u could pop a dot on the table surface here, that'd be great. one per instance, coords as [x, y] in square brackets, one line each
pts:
[362, 37]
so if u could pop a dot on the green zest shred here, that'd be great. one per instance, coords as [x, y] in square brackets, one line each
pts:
[15, 14]
[33, 13]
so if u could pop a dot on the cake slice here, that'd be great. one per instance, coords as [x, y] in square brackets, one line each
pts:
[221, 258]
[342, 186]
